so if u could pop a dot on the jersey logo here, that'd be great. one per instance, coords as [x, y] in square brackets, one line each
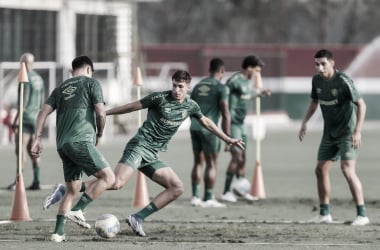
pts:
[203, 90]
[184, 113]
[167, 110]
[319, 90]
[69, 92]
[334, 92]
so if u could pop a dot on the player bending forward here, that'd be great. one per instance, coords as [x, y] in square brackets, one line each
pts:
[166, 112]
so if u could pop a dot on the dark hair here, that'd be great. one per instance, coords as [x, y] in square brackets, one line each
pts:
[215, 65]
[252, 61]
[181, 75]
[81, 61]
[324, 53]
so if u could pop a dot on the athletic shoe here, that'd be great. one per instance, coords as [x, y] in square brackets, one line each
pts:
[34, 186]
[360, 221]
[321, 219]
[213, 203]
[12, 186]
[57, 238]
[78, 218]
[230, 197]
[196, 202]
[249, 197]
[55, 196]
[135, 222]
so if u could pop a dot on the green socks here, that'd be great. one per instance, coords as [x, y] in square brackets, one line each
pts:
[227, 184]
[60, 225]
[82, 203]
[195, 189]
[361, 211]
[324, 209]
[146, 211]
[36, 174]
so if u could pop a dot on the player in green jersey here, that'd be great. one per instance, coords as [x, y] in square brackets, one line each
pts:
[343, 112]
[166, 112]
[33, 99]
[241, 92]
[80, 122]
[212, 97]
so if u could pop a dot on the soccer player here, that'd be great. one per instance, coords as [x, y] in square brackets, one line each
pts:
[240, 87]
[33, 99]
[166, 112]
[212, 97]
[343, 112]
[80, 122]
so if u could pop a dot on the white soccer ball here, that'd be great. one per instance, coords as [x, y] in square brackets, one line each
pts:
[107, 226]
[242, 185]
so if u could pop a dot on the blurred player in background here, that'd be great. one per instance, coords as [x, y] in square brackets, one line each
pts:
[212, 97]
[80, 122]
[166, 112]
[33, 99]
[343, 112]
[241, 91]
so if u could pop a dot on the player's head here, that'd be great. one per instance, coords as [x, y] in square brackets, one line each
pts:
[324, 63]
[28, 59]
[252, 64]
[83, 63]
[180, 84]
[216, 68]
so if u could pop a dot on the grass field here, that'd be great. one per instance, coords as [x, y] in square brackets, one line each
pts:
[272, 223]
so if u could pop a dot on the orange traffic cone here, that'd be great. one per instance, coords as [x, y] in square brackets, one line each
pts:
[20, 210]
[137, 77]
[141, 197]
[257, 187]
[22, 74]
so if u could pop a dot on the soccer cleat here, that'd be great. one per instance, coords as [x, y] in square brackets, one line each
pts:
[54, 197]
[34, 186]
[78, 218]
[360, 221]
[230, 197]
[135, 222]
[196, 202]
[321, 219]
[57, 238]
[213, 203]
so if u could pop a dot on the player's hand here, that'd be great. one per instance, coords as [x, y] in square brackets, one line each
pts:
[266, 92]
[302, 132]
[356, 139]
[36, 149]
[237, 142]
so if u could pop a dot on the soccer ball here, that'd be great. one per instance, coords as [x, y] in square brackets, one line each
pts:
[107, 226]
[242, 186]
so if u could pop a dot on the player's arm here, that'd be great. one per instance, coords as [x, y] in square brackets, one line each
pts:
[313, 105]
[41, 118]
[360, 116]
[226, 117]
[100, 115]
[210, 125]
[127, 108]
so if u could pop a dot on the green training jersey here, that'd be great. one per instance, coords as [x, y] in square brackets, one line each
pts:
[74, 102]
[33, 97]
[240, 97]
[164, 117]
[208, 93]
[336, 97]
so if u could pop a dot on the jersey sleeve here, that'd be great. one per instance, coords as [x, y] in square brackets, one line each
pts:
[195, 110]
[350, 89]
[313, 93]
[52, 99]
[152, 99]
[96, 93]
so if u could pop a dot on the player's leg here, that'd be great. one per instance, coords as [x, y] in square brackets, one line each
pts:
[36, 165]
[196, 172]
[64, 207]
[168, 179]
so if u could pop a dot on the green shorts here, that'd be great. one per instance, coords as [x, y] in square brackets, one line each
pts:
[79, 157]
[28, 129]
[137, 156]
[238, 131]
[205, 141]
[335, 148]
